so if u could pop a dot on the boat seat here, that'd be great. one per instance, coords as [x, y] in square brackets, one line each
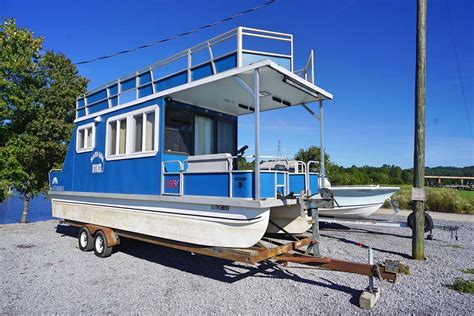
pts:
[210, 163]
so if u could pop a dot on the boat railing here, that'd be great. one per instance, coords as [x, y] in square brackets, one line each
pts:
[173, 174]
[296, 176]
[233, 49]
[308, 171]
[174, 183]
[307, 73]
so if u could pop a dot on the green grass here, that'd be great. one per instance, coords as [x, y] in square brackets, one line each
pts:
[468, 195]
[463, 286]
[468, 271]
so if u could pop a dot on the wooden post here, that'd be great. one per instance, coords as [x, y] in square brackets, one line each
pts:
[418, 242]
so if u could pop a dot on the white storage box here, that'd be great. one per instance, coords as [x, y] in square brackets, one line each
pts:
[210, 163]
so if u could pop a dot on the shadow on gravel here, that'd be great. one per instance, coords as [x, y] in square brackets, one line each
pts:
[356, 243]
[213, 268]
[339, 227]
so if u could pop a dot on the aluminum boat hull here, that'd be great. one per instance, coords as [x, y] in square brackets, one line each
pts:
[201, 224]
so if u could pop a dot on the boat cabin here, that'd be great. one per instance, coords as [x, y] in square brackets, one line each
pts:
[171, 128]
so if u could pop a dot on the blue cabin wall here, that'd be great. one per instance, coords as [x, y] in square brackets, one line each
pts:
[126, 176]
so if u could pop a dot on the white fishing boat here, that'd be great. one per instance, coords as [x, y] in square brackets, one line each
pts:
[357, 201]
[350, 202]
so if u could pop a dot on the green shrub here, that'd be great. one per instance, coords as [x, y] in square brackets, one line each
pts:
[438, 200]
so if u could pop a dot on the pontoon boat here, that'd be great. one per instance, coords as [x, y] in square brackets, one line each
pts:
[155, 152]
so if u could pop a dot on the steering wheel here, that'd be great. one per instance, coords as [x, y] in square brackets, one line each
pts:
[242, 150]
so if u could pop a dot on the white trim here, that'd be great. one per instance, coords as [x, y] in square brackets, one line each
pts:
[129, 154]
[218, 76]
[85, 148]
[197, 199]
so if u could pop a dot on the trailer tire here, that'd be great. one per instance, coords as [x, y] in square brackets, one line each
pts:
[100, 245]
[85, 240]
[428, 222]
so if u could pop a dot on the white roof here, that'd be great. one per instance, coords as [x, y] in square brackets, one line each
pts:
[221, 92]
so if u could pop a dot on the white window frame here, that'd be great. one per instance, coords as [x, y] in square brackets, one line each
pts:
[85, 127]
[130, 134]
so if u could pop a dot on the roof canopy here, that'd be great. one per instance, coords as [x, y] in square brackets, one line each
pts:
[279, 88]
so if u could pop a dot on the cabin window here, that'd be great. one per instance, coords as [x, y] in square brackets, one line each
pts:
[133, 134]
[85, 138]
[144, 132]
[225, 137]
[203, 135]
[189, 133]
[178, 130]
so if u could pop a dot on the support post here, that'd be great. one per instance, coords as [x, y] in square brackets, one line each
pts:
[239, 47]
[322, 171]
[418, 251]
[371, 295]
[315, 231]
[256, 98]
[371, 262]
[190, 64]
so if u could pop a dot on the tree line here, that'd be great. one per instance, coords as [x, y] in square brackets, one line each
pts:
[386, 174]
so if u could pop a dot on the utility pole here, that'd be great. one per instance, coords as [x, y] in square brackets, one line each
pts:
[418, 192]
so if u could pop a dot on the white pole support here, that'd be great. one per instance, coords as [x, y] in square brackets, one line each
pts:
[256, 98]
[189, 65]
[322, 171]
[239, 47]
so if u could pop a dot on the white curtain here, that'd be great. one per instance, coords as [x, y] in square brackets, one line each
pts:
[203, 136]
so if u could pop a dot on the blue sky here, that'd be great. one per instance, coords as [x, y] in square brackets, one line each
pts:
[364, 54]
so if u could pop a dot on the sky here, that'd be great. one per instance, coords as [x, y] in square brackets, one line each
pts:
[364, 56]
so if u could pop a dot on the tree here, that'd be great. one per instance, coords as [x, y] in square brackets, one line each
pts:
[37, 105]
[312, 153]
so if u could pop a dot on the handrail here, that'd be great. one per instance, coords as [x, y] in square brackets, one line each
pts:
[163, 173]
[238, 33]
[308, 168]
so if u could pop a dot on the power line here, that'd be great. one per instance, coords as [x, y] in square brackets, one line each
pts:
[178, 35]
[459, 68]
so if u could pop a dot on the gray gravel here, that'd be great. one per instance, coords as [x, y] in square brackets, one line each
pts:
[42, 270]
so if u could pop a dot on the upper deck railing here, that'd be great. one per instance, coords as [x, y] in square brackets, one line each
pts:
[236, 48]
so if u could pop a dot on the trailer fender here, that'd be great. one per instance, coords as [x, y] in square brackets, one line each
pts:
[111, 236]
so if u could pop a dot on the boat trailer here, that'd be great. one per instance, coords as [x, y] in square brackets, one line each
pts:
[303, 251]
[391, 222]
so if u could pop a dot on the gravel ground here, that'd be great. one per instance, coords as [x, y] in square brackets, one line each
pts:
[42, 271]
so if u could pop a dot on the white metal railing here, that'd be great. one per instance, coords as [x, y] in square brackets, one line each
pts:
[182, 170]
[308, 71]
[147, 77]
[308, 172]
[164, 172]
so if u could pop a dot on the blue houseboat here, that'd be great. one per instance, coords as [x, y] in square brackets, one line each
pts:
[155, 152]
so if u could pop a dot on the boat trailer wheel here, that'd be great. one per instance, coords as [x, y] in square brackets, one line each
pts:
[86, 242]
[428, 222]
[100, 245]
